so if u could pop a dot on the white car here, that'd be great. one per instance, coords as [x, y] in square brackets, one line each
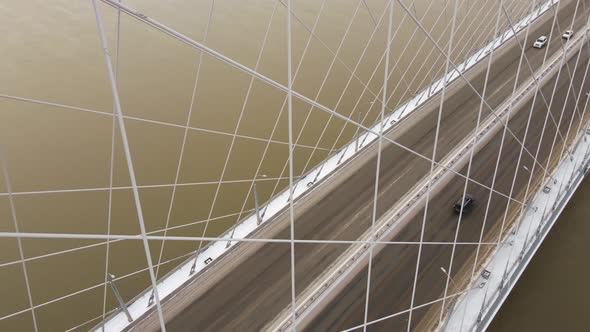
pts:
[540, 42]
[567, 34]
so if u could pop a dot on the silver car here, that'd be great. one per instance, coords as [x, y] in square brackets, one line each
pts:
[540, 42]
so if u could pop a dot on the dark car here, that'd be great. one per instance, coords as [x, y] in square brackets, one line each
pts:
[464, 204]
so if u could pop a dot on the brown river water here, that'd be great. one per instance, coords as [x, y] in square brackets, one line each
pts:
[50, 51]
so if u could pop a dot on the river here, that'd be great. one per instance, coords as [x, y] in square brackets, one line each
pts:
[59, 158]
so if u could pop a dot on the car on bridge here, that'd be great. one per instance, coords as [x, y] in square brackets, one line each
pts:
[567, 34]
[464, 203]
[540, 42]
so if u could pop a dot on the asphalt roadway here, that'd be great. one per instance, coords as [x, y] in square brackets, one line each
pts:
[249, 295]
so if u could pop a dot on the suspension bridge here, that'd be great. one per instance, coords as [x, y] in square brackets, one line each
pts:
[411, 210]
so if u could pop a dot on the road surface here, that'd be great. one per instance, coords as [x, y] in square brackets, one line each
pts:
[257, 287]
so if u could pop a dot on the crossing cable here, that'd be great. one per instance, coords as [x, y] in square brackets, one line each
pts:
[224, 59]
[407, 311]
[87, 289]
[420, 69]
[510, 109]
[333, 146]
[488, 69]
[146, 186]
[585, 108]
[275, 126]
[185, 135]
[332, 52]
[375, 23]
[549, 113]
[567, 65]
[145, 120]
[567, 133]
[377, 171]
[335, 143]
[559, 123]
[563, 109]
[547, 104]
[431, 175]
[291, 189]
[138, 237]
[474, 47]
[422, 66]
[494, 177]
[489, 199]
[537, 87]
[470, 47]
[115, 237]
[456, 69]
[574, 169]
[358, 101]
[19, 241]
[111, 173]
[325, 79]
[464, 45]
[84, 247]
[236, 129]
[127, 153]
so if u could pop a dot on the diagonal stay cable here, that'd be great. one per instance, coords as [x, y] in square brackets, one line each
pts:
[291, 189]
[334, 53]
[511, 107]
[111, 173]
[377, 170]
[456, 69]
[136, 272]
[145, 186]
[431, 174]
[145, 120]
[127, 152]
[488, 69]
[275, 126]
[127, 10]
[236, 129]
[19, 240]
[343, 93]
[75, 249]
[185, 136]
[324, 80]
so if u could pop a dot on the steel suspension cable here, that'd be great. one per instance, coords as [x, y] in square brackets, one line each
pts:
[19, 241]
[237, 127]
[233, 63]
[128, 159]
[510, 109]
[275, 126]
[377, 171]
[184, 139]
[111, 173]
[431, 173]
[488, 69]
[144, 120]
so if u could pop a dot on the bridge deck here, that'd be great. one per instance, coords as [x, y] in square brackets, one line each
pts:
[258, 288]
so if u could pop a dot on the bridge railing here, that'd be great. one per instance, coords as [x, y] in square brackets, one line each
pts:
[485, 294]
[213, 251]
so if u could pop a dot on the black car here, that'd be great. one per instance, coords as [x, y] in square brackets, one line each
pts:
[464, 204]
